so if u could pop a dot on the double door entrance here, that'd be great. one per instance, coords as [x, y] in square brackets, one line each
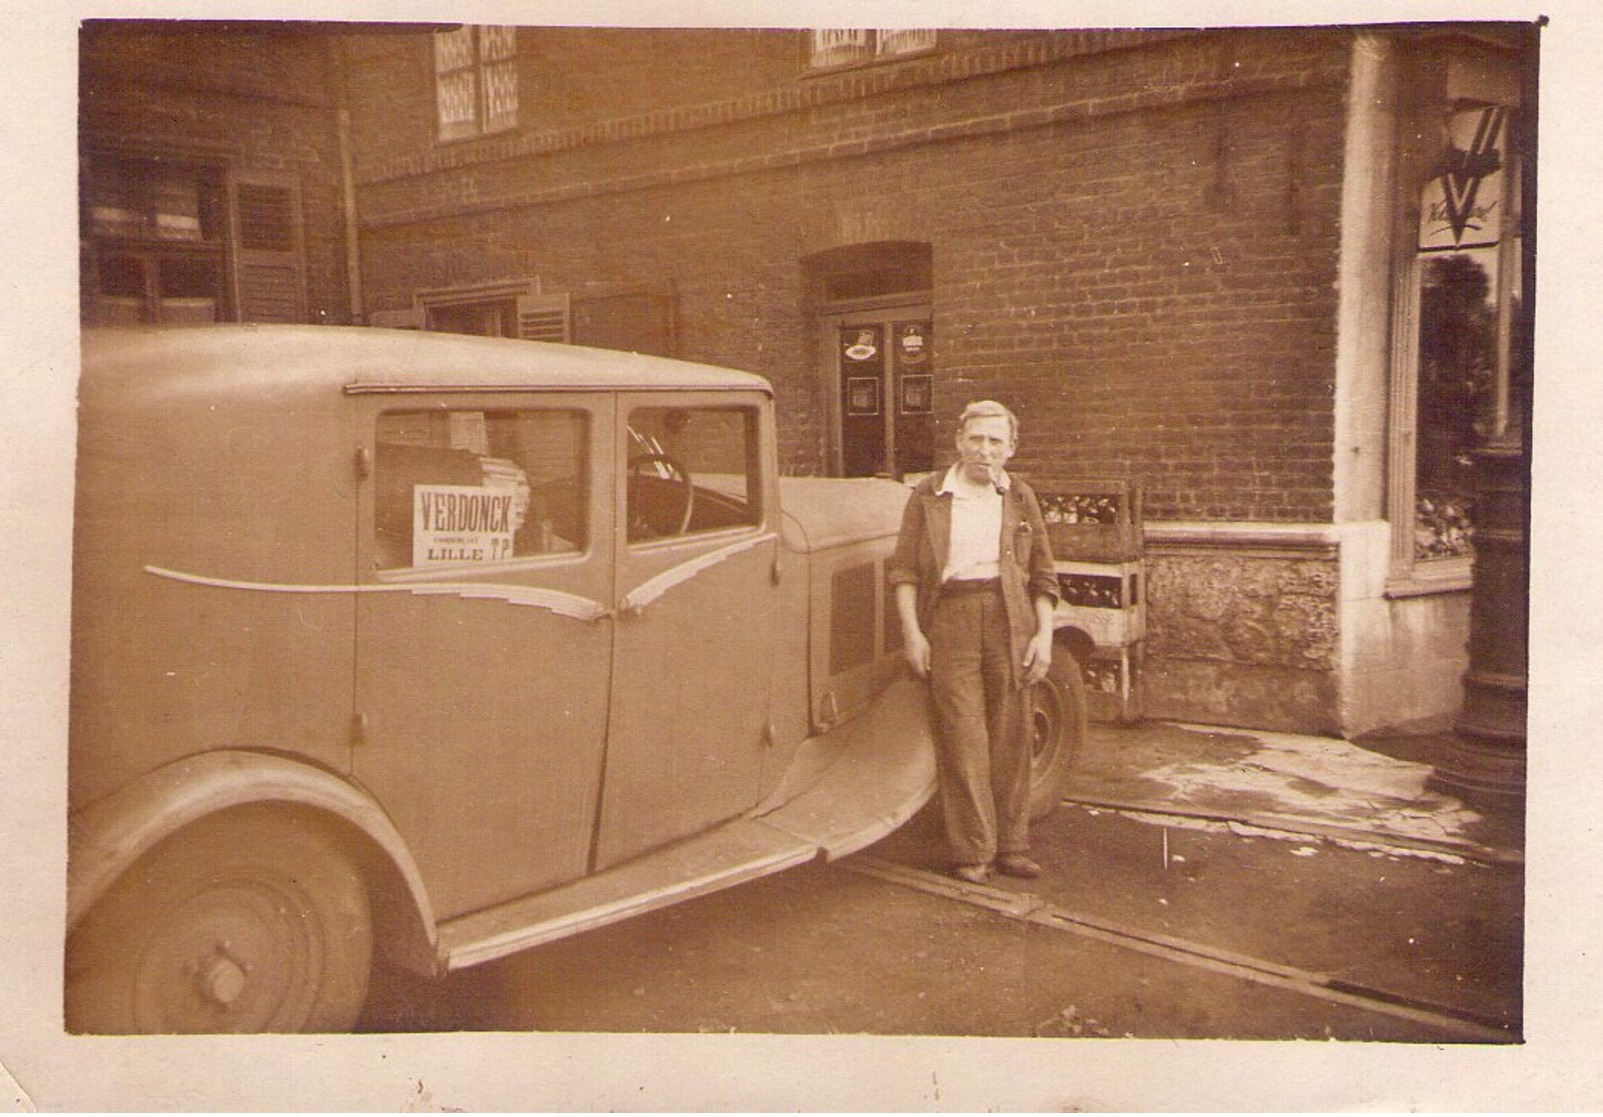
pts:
[882, 366]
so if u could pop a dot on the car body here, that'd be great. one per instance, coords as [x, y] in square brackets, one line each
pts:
[437, 648]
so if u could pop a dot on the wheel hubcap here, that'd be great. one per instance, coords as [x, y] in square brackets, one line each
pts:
[222, 977]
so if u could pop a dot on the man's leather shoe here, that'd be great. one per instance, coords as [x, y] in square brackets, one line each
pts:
[974, 874]
[1018, 865]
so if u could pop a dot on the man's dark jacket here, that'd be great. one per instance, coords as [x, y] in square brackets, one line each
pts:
[1026, 556]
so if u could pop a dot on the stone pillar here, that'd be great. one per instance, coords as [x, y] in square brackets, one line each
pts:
[1486, 756]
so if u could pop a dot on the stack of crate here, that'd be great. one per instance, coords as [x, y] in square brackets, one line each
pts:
[1097, 541]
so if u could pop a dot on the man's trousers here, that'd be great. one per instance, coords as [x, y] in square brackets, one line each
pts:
[982, 749]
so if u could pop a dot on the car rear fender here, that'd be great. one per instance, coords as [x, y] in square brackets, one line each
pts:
[109, 836]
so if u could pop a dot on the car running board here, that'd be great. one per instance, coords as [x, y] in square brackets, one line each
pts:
[864, 780]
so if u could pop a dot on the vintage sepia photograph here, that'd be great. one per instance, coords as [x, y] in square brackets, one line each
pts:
[635, 543]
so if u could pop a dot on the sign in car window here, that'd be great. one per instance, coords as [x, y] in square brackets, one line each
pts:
[461, 523]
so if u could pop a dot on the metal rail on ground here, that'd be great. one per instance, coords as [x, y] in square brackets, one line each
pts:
[1466, 1024]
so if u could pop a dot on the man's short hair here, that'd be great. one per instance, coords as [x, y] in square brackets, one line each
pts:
[984, 409]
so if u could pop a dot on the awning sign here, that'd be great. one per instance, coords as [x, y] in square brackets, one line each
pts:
[462, 523]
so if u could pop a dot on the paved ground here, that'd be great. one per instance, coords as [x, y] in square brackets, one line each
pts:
[1316, 785]
[1333, 862]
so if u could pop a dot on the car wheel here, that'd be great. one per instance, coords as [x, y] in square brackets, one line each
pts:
[1057, 731]
[254, 920]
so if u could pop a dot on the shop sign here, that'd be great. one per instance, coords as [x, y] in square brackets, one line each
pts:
[1461, 206]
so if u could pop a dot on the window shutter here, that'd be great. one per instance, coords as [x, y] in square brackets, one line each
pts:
[544, 318]
[269, 268]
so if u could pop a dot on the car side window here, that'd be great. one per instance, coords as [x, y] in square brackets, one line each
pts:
[473, 486]
[691, 469]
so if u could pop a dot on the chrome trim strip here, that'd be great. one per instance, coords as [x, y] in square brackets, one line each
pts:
[654, 587]
[558, 601]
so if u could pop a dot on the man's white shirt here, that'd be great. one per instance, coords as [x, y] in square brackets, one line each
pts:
[975, 548]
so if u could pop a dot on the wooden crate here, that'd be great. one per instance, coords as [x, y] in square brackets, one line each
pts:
[1095, 520]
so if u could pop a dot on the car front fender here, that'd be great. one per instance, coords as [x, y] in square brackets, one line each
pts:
[849, 787]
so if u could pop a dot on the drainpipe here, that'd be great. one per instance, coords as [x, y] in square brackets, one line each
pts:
[353, 252]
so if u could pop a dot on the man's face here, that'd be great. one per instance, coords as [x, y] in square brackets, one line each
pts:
[984, 446]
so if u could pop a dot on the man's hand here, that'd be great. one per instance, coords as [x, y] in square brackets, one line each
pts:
[1038, 656]
[916, 647]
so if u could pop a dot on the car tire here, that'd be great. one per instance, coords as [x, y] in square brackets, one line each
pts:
[253, 920]
[1057, 731]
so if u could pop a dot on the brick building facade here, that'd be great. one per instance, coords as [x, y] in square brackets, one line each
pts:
[212, 174]
[1186, 258]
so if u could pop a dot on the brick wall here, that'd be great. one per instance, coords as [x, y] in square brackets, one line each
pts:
[1136, 247]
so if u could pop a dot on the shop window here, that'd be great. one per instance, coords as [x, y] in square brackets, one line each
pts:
[476, 80]
[835, 47]
[1463, 350]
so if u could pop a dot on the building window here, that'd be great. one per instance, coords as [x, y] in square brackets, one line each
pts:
[1462, 349]
[476, 80]
[178, 237]
[835, 47]
[155, 233]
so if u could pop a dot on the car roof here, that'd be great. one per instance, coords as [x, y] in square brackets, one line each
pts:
[158, 360]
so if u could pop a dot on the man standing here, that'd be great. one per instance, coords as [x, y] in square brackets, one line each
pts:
[975, 590]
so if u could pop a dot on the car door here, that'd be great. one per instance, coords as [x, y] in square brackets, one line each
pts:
[484, 637]
[697, 596]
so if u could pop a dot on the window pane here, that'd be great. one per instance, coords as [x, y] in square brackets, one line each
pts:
[841, 46]
[479, 486]
[690, 470]
[1458, 368]
[122, 276]
[497, 41]
[453, 50]
[457, 94]
[190, 289]
[500, 96]
[175, 202]
[904, 41]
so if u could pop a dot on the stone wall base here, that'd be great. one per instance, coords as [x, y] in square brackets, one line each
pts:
[1213, 693]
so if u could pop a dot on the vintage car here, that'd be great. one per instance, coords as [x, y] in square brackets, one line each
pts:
[425, 649]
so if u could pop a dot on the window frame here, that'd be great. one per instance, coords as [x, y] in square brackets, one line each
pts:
[489, 62]
[1409, 573]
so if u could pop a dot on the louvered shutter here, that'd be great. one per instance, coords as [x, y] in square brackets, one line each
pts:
[269, 267]
[544, 318]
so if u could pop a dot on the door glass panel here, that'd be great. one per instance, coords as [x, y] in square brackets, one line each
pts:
[914, 356]
[860, 351]
[691, 469]
[473, 486]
